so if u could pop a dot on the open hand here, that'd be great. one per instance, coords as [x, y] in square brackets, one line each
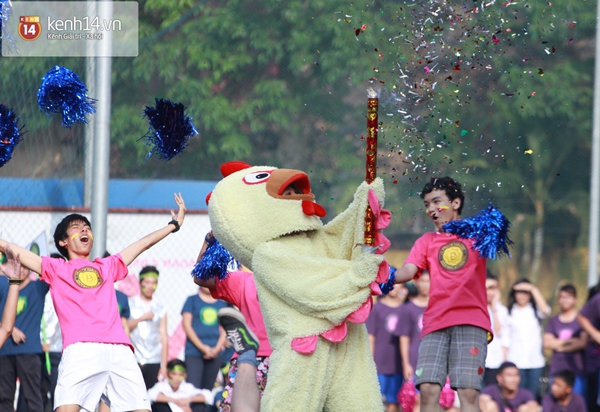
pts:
[181, 212]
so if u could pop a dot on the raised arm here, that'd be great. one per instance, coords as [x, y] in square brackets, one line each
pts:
[210, 284]
[132, 251]
[12, 270]
[28, 259]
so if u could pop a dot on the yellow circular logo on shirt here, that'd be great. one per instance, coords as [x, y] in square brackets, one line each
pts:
[453, 256]
[87, 278]
[209, 316]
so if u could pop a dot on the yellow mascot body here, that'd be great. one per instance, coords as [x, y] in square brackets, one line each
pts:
[314, 285]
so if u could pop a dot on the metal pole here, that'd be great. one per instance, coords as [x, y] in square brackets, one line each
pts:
[595, 178]
[102, 136]
[90, 76]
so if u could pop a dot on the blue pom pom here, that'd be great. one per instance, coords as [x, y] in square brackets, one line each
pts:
[389, 285]
[215, 261]
[10, 133]
[62, 92]
[170, 129]
[5, 13]
[488, 229]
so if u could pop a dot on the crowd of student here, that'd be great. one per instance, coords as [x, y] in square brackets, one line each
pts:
[517, 376]
[421, 333]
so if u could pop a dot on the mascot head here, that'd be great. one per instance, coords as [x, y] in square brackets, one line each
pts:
[254, 204]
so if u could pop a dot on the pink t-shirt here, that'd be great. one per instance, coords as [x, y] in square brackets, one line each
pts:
[457, 294]
[238, 288]
[84, 298]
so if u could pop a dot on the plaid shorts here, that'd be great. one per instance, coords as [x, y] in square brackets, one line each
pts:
[458, 352]
[261, 380]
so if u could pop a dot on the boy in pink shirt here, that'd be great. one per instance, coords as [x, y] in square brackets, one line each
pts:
[456, 323]
[97, 359]
[239, 289]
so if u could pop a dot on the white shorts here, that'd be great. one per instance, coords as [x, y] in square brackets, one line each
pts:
[91, 371]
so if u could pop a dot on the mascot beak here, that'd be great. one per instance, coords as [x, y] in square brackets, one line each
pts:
[281, 179]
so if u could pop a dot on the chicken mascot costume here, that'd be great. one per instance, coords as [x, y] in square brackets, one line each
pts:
[315, 284]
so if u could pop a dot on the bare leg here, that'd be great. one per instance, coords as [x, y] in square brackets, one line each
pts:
[245, 397]
[68, 408]
[103, 407]
[469, 400]
[430, 397]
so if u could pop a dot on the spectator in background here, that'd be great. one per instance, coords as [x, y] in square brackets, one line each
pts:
[177, 395]
[381, 325]
[412, 292]
[589, 319]
[561, 397]
[124, 310]
[507, 395]
[410, 327]
[148, 329]
[567, 340]
[11, 268]
[526, 308]
[21, 355]
[205, 339]
[498, 348]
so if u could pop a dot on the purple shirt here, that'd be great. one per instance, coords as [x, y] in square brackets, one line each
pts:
[591, 310]
[571, 361]
[577, 404]
[411, 326]
[382, 322]
[522, 397]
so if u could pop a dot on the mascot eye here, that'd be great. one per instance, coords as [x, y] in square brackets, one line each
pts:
[257, 177]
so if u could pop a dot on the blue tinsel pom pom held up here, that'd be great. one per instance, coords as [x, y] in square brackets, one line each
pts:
[10, 134]
[63, 92]
[488, 229]
[170, 129]
[214, 262]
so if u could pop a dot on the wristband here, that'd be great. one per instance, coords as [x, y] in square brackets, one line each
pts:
[15, 281]
[176, 224]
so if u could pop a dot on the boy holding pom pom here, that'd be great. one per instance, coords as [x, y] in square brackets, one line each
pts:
[97, 360]
[456, 324]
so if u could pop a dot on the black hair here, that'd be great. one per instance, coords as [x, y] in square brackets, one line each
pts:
[175, 362]
[413, 292]
[593, 291]
[506, 365]
[147, 269]
[512, 301]
[567, 376]
[447, 184]
[57, 256]
[570, 289]
[60, 233]
[491, 276]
